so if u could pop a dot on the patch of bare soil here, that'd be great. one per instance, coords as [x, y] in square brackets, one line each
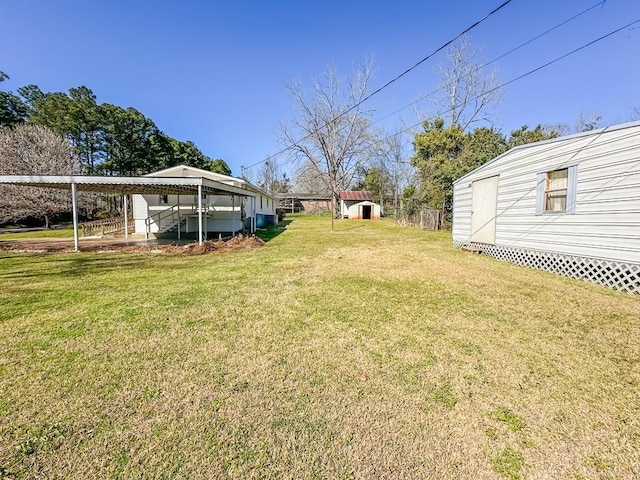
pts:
[239, 242]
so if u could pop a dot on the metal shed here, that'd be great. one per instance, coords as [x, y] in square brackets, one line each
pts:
[359, 205]
[570, 205]
[364, 211]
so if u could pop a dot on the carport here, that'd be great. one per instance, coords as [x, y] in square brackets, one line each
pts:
[128, 186]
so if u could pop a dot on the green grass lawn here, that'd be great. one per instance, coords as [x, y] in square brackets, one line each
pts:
[57, 233]
[375, 351]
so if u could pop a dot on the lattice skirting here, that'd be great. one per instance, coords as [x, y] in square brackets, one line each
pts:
[617, 275]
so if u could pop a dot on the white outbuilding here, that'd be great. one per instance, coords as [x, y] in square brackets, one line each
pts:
[359, 205]
[570, 205]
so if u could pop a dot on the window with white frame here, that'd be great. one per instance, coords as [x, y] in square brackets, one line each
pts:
[556, 191]
[164, 199]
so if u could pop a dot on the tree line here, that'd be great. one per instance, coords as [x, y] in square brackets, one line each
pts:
[108, 139]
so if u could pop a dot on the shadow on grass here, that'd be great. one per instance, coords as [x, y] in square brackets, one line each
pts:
[73, 264]
[269, 233]
[345, 229]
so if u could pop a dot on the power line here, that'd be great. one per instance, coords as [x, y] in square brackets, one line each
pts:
[520, 77]
[513, 80]
[439, 49]
[424, 97]
[390, 82]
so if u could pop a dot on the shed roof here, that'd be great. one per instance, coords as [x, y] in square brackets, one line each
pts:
[357, 196]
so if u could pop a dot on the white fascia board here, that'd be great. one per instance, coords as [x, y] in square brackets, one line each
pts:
[66, 181]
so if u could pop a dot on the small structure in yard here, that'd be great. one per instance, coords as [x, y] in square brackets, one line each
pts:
[304, 202]
[570, 205]
[359, 206]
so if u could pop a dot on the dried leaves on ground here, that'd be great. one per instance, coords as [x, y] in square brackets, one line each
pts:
[239, 242]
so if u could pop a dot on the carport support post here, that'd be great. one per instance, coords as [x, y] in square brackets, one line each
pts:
[126, 217]
[178, 217]
[253, 214]
[199, 214]
[74, 206]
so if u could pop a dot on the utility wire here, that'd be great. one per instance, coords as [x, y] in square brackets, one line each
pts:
[520, 77]
[437, 50]
[424, 97]
[513, 80]
[398, 77]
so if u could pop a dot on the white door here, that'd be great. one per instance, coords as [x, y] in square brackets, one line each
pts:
[484, 199]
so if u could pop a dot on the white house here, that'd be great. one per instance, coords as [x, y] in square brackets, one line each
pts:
[359, 206]
[570, 205]
[238, 205]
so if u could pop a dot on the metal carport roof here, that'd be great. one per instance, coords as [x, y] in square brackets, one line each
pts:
[127, 186]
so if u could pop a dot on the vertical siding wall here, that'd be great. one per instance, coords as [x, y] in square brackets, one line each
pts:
[140, 212]
[606, 223]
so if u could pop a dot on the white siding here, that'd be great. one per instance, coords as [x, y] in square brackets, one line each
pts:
[606, 223]
[265, 205]
[220, 222]
[140, 212]
[223, 213]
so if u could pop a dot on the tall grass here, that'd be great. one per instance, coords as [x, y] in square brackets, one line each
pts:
[374, 351]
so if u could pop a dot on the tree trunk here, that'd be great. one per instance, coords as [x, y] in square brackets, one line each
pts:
[333, 202]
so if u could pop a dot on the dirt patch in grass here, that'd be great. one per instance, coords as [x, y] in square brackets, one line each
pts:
[239, 242]
[61, 245]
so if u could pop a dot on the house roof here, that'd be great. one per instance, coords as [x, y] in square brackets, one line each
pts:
[357, 196]
[187, 171]
[304, 196]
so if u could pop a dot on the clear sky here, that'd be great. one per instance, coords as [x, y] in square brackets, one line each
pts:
[214, 72]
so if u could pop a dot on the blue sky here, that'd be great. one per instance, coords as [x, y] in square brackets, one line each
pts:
[214, 72]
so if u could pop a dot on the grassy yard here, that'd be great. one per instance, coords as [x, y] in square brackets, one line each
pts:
[57, 233]
[372, 352]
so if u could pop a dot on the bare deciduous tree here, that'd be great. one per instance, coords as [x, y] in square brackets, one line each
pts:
[588, 121]
[470, 92]
[271, 178]
[27, 149]
[392, 159]
[308, 179]
[330, 131]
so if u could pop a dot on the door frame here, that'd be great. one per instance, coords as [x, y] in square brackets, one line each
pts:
[484, 193]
